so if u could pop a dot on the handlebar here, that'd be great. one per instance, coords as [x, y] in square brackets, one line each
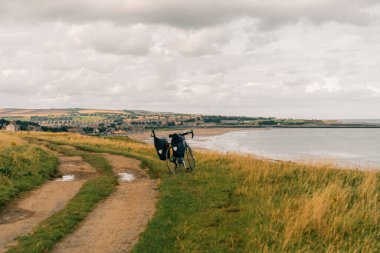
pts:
[184, 133]
[153, 134]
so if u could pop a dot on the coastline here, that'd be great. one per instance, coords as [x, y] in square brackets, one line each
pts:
[207, 132]
[200, 143]
[199, 132]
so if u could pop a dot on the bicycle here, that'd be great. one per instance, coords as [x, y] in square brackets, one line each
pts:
[177, 153]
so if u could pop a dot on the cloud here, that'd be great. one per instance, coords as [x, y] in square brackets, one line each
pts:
[203, 42]
[108, 38]
[292, 58]
[188, 14]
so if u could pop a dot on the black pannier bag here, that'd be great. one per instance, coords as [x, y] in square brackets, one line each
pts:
[161, 146]
[178, 145]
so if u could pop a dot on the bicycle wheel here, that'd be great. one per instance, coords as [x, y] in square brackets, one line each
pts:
[189, 160]
[171, 162]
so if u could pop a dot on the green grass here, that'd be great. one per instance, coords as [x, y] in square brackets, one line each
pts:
[121, 138]
[236, 203]
[197, 214]
[64, 222]
[23, 168]
[10, 118]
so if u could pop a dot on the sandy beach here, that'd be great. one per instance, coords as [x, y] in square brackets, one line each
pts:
[197, 132]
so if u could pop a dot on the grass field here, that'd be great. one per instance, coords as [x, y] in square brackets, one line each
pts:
[235, 203]
[22, 167]
[93, 111]
[27, 113]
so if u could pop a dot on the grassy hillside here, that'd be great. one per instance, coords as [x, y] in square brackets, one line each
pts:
[22, 167]
[27, 113]
[235, 203]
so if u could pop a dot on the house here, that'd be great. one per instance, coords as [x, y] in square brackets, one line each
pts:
[11, 127]
[230, 121]
[34, 128]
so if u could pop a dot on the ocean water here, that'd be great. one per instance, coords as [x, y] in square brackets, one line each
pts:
[361, 121]
[357, 147]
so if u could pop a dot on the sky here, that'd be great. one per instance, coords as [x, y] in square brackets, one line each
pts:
[288, 59]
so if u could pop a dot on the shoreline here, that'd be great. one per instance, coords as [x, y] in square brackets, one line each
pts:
[198, 132]
[210, 132]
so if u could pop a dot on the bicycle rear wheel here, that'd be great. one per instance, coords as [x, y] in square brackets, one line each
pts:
[189, 160]
[171, 162]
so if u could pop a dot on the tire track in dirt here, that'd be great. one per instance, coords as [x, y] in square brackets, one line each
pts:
[115, 225]
[24, 214]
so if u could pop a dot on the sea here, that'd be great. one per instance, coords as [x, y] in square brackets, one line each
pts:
[358, 147]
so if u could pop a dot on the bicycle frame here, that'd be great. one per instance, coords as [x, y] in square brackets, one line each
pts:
[175, 162]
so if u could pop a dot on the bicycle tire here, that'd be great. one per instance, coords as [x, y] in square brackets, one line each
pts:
[171, 162]
[189, 159]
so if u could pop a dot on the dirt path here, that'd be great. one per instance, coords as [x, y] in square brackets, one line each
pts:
[23, 215]
[115, 225]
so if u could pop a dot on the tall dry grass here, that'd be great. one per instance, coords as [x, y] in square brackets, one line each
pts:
[77, 139]
[307, 208]
[8, 140]
[22, 166]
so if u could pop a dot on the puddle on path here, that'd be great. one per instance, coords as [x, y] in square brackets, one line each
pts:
[66, 178]
[14, 214]
[126, 177]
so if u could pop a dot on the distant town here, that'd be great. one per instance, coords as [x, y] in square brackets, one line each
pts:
[124, 122]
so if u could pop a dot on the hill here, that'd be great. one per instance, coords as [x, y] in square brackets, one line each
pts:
[28, 113]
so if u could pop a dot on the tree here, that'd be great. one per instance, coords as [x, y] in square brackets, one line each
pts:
[88, 130]
[4, 122]
[102, 129]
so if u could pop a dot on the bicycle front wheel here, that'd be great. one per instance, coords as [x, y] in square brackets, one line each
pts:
[189, 160]
[171, 162]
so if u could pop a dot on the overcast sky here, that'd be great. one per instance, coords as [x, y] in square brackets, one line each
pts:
[295, 58]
